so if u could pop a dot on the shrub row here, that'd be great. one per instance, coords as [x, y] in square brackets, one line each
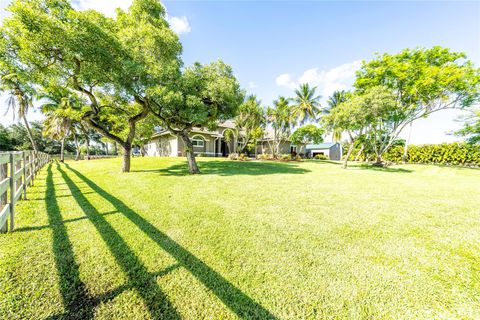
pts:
[236, 156]
[281, 157]
[446, 153]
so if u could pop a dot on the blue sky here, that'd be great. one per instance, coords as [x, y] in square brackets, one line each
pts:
[274, 45]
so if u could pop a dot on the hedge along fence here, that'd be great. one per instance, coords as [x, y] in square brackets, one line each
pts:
[17, 172]
[446, 153]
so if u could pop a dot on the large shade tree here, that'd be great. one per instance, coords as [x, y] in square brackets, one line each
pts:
[349, 117]
[202, 96]
[422, 81]
[377, 105]
[112, 63]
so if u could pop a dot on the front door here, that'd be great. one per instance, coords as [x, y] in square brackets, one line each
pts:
[224, 148]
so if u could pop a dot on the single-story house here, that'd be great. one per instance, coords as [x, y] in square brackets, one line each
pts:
[205, 142]
[212, 143]
[332, 151]
[265, 145]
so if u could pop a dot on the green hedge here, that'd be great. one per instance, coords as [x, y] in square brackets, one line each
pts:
[445, 153]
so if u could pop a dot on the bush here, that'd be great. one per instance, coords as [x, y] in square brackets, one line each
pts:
[286, 157]
[233, 156]
[321, 157]
[446, 153]
[265, 156]
[242, 157]
[298, 158]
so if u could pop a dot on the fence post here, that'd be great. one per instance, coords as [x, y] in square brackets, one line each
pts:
[3, 197]
[24, 175]
[12, 192]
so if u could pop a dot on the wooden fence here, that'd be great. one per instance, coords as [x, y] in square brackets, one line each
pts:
[17, 172]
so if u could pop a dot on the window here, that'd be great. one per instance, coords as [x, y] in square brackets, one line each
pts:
[198, 141]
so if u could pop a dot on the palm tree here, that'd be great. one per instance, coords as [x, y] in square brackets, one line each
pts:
[306, 103]
[58, 122]
[19, 103]
[333, 101]
[250, 117]
[281, 118]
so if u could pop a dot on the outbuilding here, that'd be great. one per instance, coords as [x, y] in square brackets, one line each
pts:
[332, 151]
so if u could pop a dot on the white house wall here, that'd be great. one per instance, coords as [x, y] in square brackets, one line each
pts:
[164, 146]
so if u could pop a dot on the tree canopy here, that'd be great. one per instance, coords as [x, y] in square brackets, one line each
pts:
[202, 96]
[471, 128]
[421, 81]
[309, 133]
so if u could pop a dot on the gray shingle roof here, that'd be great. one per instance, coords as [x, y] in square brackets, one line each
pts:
[326, 145]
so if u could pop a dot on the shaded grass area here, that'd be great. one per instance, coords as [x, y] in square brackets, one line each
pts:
[248, 240]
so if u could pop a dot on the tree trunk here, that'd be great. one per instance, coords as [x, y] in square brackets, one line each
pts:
[405, 149]
[350, 150]
[379, 161]
[192, 163]
[62, 150]
[127, 150]
[106, 148]
[87, 142]
[30, 135]
[115, 151]
[143, 152]
[77, 148]
[359, 152]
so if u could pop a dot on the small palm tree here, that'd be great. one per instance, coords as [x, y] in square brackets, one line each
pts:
[334, 101]
[58, 122]
[306, 103]
[281, 118]
[250, 117]
[19, 102]
[336, 98]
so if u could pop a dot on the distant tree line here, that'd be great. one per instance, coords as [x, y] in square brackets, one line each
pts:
[15, 137]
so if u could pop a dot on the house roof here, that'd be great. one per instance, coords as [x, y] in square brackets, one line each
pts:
[228, 124]
[326, 145]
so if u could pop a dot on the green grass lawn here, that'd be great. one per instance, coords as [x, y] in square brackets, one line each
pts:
[250, 240]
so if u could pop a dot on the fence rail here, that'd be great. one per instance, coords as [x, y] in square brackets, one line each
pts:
[17, 172]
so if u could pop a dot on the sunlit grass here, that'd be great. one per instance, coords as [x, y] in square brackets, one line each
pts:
[244, 240]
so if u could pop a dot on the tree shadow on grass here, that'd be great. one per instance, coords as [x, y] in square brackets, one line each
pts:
[237, 301]
[77, 303]
[231, 168]
[139, 278]
[365, 166]
[338, 163]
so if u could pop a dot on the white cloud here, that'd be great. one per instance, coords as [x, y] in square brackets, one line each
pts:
[327, 81]
[179, 25]
[252, 85]
[285, 80]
